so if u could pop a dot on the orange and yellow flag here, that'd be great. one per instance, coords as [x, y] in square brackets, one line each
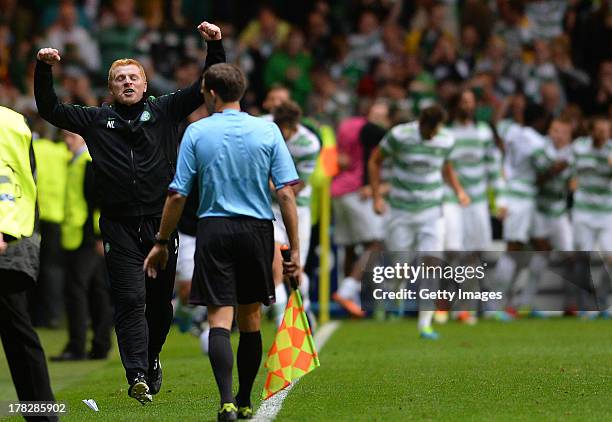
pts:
[293, 353]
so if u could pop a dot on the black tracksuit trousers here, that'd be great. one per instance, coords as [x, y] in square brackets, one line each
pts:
[87, 297]
[46, 299]
[25, 356]
[143, 308]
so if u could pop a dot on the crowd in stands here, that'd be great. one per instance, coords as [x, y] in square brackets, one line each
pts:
[335, 56]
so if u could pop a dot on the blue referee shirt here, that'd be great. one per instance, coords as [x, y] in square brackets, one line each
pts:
[233, 155]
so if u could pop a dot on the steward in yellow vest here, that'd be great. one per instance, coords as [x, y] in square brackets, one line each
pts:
[19, 260]
[80, 218]
[51, 168]
[17, 187]
[51, 164]
[87, 294]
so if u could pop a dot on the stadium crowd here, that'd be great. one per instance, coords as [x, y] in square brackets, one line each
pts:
[360, 67]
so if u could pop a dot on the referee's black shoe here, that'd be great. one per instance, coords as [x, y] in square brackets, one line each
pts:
[245, 412]
[140, 390]
[228, 412]
[155, 376]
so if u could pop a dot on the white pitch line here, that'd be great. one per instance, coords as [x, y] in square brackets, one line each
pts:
[269, 409]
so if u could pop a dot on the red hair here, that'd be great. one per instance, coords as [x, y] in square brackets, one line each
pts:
[125, 62]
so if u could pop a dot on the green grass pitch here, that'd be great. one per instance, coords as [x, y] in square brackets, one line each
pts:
[558, 369]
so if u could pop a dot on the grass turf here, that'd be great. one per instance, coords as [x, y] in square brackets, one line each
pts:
[188, 393]
[527, 370]
[542, 370]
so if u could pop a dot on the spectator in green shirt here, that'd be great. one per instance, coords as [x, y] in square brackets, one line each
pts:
[290, 66]
[119, 38]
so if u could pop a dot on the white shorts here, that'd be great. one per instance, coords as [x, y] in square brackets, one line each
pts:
[518, 223]
[557, 230]
[185, 258]
[355, 220]
[467, 228]
[304, 230]
[592, 237]
[404, 234]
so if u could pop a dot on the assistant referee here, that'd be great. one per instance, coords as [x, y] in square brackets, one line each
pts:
[133, 143]
[232, 156]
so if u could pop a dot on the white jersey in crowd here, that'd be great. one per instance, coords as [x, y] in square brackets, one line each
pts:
[506, 129]
[593, 169]
[417, 185]
[476, 160]
[521, 146]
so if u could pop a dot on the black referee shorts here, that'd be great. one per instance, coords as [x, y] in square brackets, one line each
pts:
[233, 262]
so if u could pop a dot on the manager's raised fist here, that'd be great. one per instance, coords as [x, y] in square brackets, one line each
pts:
[209, 31]
[48, 55]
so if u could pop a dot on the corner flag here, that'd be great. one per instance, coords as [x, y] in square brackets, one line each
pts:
[293, 353]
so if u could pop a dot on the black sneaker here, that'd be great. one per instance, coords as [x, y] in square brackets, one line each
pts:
[140, 390]
[245, 412]
[228, 412]
[155, 376]
[96, 355]
[67, 356]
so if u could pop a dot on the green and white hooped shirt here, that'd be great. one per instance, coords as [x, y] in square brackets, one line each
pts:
[593, 170]
[552, 196]
[476, 160]
[304, 148]
[416, 166]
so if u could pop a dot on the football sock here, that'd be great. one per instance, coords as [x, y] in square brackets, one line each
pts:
[503, 275]
[605, 285]
[350, 289]
[504, 270]
[279, 306]
[582, 279]
[248, 360]
[304, 290]
[425, 318]
[222, 361]
[537, 266]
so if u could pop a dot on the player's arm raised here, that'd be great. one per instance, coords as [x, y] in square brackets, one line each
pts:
[65, 116]
[182, 103]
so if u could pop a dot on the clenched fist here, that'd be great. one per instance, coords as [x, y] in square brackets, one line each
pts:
[209, 31]
[49, 56]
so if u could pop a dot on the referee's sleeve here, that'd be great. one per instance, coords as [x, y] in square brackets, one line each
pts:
[282, 168]
[187, 166]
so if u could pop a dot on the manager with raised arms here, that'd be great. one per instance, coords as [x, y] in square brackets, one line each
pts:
[133, 142]
[230, 157]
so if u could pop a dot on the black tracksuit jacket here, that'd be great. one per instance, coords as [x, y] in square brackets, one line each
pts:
[134, 148]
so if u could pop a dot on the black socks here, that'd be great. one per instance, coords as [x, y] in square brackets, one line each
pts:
[249, 359]
[222, 361]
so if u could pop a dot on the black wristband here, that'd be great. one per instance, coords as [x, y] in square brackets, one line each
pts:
[159, 241]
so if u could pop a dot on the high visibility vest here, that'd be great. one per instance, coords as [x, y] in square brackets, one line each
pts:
[17, 186]
[51, 168]
[76, 210]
